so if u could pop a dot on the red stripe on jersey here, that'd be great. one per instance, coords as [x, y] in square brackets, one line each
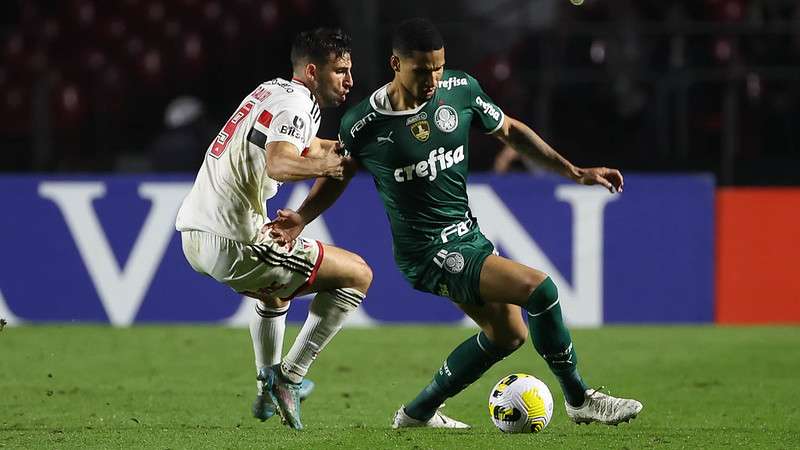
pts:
[265, 118]
[304, 152]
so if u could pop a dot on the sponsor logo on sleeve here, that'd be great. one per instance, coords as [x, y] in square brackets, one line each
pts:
[294, 130]
[361, 123]
[488, 108]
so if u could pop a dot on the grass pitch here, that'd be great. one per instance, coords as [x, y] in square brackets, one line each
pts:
[191, 387]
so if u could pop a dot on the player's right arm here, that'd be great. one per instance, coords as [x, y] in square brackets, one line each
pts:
[285, 163]
[289, 132]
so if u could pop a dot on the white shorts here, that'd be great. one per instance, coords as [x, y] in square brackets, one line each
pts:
[261, 269]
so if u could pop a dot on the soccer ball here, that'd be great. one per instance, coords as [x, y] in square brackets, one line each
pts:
[520, 403]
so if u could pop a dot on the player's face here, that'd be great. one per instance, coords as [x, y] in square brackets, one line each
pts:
[420, 73]
[334, 81]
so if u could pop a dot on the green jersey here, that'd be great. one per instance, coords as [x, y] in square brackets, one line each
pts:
[418, 159]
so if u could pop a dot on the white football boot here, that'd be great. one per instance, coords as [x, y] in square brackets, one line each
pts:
[439, 420]
[603, 408]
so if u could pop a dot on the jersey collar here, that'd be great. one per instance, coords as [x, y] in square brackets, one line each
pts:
[380, 102]
[299, 82]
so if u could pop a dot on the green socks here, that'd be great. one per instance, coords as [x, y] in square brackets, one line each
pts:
[553, 342]
[463, 366]
[473, 357]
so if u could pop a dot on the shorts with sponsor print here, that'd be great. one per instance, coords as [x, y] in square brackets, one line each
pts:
[261, 269]
[453, 269]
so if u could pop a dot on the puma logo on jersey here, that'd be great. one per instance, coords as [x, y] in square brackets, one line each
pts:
[385, 139]
[438, 161]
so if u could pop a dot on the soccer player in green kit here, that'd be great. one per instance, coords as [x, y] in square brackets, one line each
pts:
[412, 136]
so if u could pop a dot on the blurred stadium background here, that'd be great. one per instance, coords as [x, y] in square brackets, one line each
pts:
[106, 109]
[697, 85]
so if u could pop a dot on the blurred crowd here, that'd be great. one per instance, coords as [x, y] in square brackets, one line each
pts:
[86, 84]
[143, 85]
[695, 85]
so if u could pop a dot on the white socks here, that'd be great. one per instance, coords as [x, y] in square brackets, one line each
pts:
[326, 314]
[266, 329]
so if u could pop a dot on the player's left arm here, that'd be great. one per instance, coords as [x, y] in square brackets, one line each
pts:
[288, 224]
[524, 140]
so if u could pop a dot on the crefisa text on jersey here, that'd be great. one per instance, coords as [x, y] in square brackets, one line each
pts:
[452, 82]
[488, 108]
[427, 167]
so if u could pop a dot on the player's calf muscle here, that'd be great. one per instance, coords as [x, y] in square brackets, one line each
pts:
[502, 323]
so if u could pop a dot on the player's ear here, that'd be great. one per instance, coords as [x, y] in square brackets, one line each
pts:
[311, 72]
[394, 63]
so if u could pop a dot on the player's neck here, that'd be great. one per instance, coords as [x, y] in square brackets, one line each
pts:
[303, 81]
[400, 98]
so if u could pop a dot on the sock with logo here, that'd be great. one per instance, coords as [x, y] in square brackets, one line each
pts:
[553, 342]
[267, 327]
[471, 359]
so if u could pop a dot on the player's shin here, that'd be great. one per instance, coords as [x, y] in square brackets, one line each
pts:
[267, 327]
[326, 314]
[552, 340]
[471, 359]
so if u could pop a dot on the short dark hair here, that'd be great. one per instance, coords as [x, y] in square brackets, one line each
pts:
[316, 46]
[416, 34]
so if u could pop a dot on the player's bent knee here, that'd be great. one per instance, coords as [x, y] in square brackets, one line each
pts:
[519, 340]
[511, 344]
[543, 297]
[362, 275]
[513, 340]
[533, 281]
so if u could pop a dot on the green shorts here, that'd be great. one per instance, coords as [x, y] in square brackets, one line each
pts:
[453, 270]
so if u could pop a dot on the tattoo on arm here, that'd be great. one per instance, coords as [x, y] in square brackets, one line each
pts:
[524, 140]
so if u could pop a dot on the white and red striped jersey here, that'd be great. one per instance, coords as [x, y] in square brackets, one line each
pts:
[231, 189]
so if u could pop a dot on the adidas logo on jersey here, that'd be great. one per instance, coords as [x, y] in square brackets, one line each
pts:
[452, 82]
[438, 161]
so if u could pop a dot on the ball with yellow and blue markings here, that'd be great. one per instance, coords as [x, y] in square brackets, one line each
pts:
[520, 403]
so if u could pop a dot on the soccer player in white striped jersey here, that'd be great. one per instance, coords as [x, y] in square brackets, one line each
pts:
[271, 139]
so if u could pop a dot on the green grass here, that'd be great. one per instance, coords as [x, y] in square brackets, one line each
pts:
[191, 387]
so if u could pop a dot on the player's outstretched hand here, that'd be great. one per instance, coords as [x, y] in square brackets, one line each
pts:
[286, 226]
[611, 179]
